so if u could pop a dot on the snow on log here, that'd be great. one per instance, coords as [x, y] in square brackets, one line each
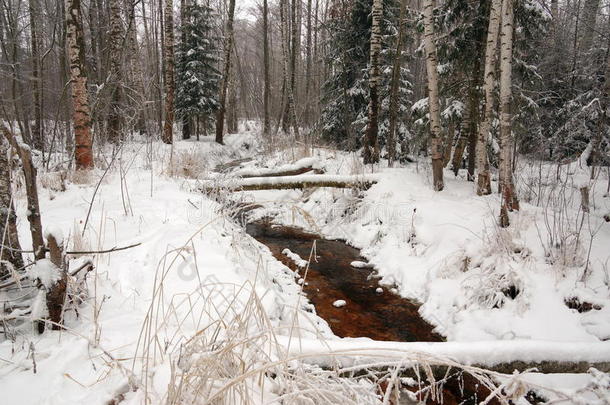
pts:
[297, 182]
[500, 356]
[302, 166]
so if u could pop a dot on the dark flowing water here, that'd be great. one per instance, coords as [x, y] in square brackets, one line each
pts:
[367, 313]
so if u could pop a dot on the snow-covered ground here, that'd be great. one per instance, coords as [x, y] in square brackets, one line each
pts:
[197, 279]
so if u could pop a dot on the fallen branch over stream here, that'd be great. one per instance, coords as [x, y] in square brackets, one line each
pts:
[302, 166]
[504, 357]
[296, 182]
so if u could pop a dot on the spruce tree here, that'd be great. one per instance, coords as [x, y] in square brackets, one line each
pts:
[196, 75]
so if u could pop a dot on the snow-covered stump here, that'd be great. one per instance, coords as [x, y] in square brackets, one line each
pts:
[52, 282]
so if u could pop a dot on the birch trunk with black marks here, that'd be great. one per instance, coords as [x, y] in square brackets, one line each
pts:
[397, 66]
[168, 62]
[507, 188]
[483, 177]
[81, 115]
[433, 101]
[9, 238]
[371, 143]
[226, 71]
[115, 116]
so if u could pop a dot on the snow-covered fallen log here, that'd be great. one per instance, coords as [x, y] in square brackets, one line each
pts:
[302, 166]
[296, 182]
[500, 356]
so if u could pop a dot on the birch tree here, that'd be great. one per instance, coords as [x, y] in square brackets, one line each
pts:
[226, 71]
[391, 142]
[433, 101]
[169, 85]
[507, 188]
[9, 239]
[371, 144]
[81, 116]
[483, 178]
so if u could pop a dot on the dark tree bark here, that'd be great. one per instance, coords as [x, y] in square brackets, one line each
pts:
[168, 58]
[115, 116]
[267, 78]
[226, 71]
[37, 130]
[29, 173]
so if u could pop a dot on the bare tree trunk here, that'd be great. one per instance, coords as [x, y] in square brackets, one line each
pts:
[371, 143]
[433, 101]
[135, 67]
[168, 57]
[396, 68]
[186, 120]
[232, 101]
[293, 69]
[81, 117]
[589, 17]
[285, 45]
[308, 50]
[507, 188]
[267, 78]
[9, 239]
[115, 116]
[29, 174]
[37, 131]
[483, 177]
[220, 115]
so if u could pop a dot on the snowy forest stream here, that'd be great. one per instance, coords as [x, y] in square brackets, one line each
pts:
[347, 294]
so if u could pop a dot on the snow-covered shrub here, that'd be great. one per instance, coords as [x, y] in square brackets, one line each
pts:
[54, 181]
[190, 164]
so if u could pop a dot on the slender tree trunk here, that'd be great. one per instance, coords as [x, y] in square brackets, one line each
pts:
[232, 101]
[81, 115]
[186, 120]
[507, 188]
[115, 116]
[589, 17]
[293, 69]
[9, 239]
[483, 177]
[433, 101]
[396, 68]
[308, 50]
[37, 130]
[29, 174]
[168, 57]
[371, 143]
[285, 42]
[135, 67]
[602, 123]
[220, 115]
[267, 78]
[460, 146]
